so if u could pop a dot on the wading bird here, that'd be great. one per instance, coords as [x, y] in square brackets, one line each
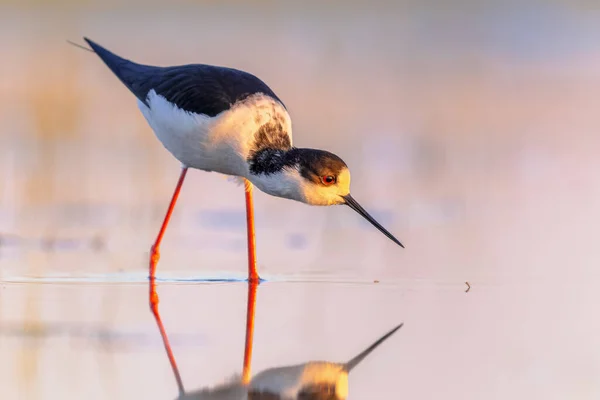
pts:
[229, 121]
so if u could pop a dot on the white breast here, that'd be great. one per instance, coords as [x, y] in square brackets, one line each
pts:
[221, 143]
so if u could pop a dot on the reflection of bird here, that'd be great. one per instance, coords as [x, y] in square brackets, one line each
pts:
[314, 380]
[229, 121]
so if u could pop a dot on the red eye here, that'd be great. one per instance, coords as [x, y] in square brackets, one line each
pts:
[328, 180]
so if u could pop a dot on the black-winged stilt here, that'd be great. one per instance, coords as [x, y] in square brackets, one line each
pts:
[229, 121]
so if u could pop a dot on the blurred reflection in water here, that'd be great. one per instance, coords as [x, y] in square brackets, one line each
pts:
[250, 315]
[309, 380]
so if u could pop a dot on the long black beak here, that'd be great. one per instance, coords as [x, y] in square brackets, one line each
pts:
[353, 204]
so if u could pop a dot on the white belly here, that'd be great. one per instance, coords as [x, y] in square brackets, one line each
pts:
[221, 143]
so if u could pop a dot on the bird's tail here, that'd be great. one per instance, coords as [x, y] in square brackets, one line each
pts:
[127, 71]
[80, 46]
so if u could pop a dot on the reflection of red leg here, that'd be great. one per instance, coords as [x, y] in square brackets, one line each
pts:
[154, 257]
[252, 286]
[252, 274]
[165, 338]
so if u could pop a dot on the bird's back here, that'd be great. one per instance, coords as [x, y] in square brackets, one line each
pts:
[197, 88]
[209, 117]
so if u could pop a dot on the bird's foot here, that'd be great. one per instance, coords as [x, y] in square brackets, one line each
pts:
[253, 277]
[154, 257]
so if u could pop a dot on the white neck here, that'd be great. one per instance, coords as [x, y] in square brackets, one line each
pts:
[287, 183]
[290, 184]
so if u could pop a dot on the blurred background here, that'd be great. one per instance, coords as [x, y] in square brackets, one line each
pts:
[471, 131]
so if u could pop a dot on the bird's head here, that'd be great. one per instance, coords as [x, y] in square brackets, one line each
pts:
[314, 177]
[323, 177]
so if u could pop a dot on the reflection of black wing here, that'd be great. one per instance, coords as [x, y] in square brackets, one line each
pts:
[198, 88]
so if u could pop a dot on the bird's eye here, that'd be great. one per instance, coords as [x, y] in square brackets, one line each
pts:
[328, 180]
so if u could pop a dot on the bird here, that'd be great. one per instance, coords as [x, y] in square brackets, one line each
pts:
[312, 380]
[229, 121]
[225, 120]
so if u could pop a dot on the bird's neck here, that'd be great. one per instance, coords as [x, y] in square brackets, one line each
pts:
[268, 160]
[276, 172]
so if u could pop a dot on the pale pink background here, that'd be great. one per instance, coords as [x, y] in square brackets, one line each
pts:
[472, 133]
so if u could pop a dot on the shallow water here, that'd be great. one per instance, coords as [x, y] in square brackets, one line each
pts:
[471, 134]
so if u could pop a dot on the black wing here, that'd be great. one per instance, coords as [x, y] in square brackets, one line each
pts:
[198, 88]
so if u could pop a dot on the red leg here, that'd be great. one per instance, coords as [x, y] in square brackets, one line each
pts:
[252, 274]
[252, 286]
[154, 257]
[154, 251]
[253, 281]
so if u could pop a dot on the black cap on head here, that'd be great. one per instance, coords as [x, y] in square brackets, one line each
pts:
[315, 164]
